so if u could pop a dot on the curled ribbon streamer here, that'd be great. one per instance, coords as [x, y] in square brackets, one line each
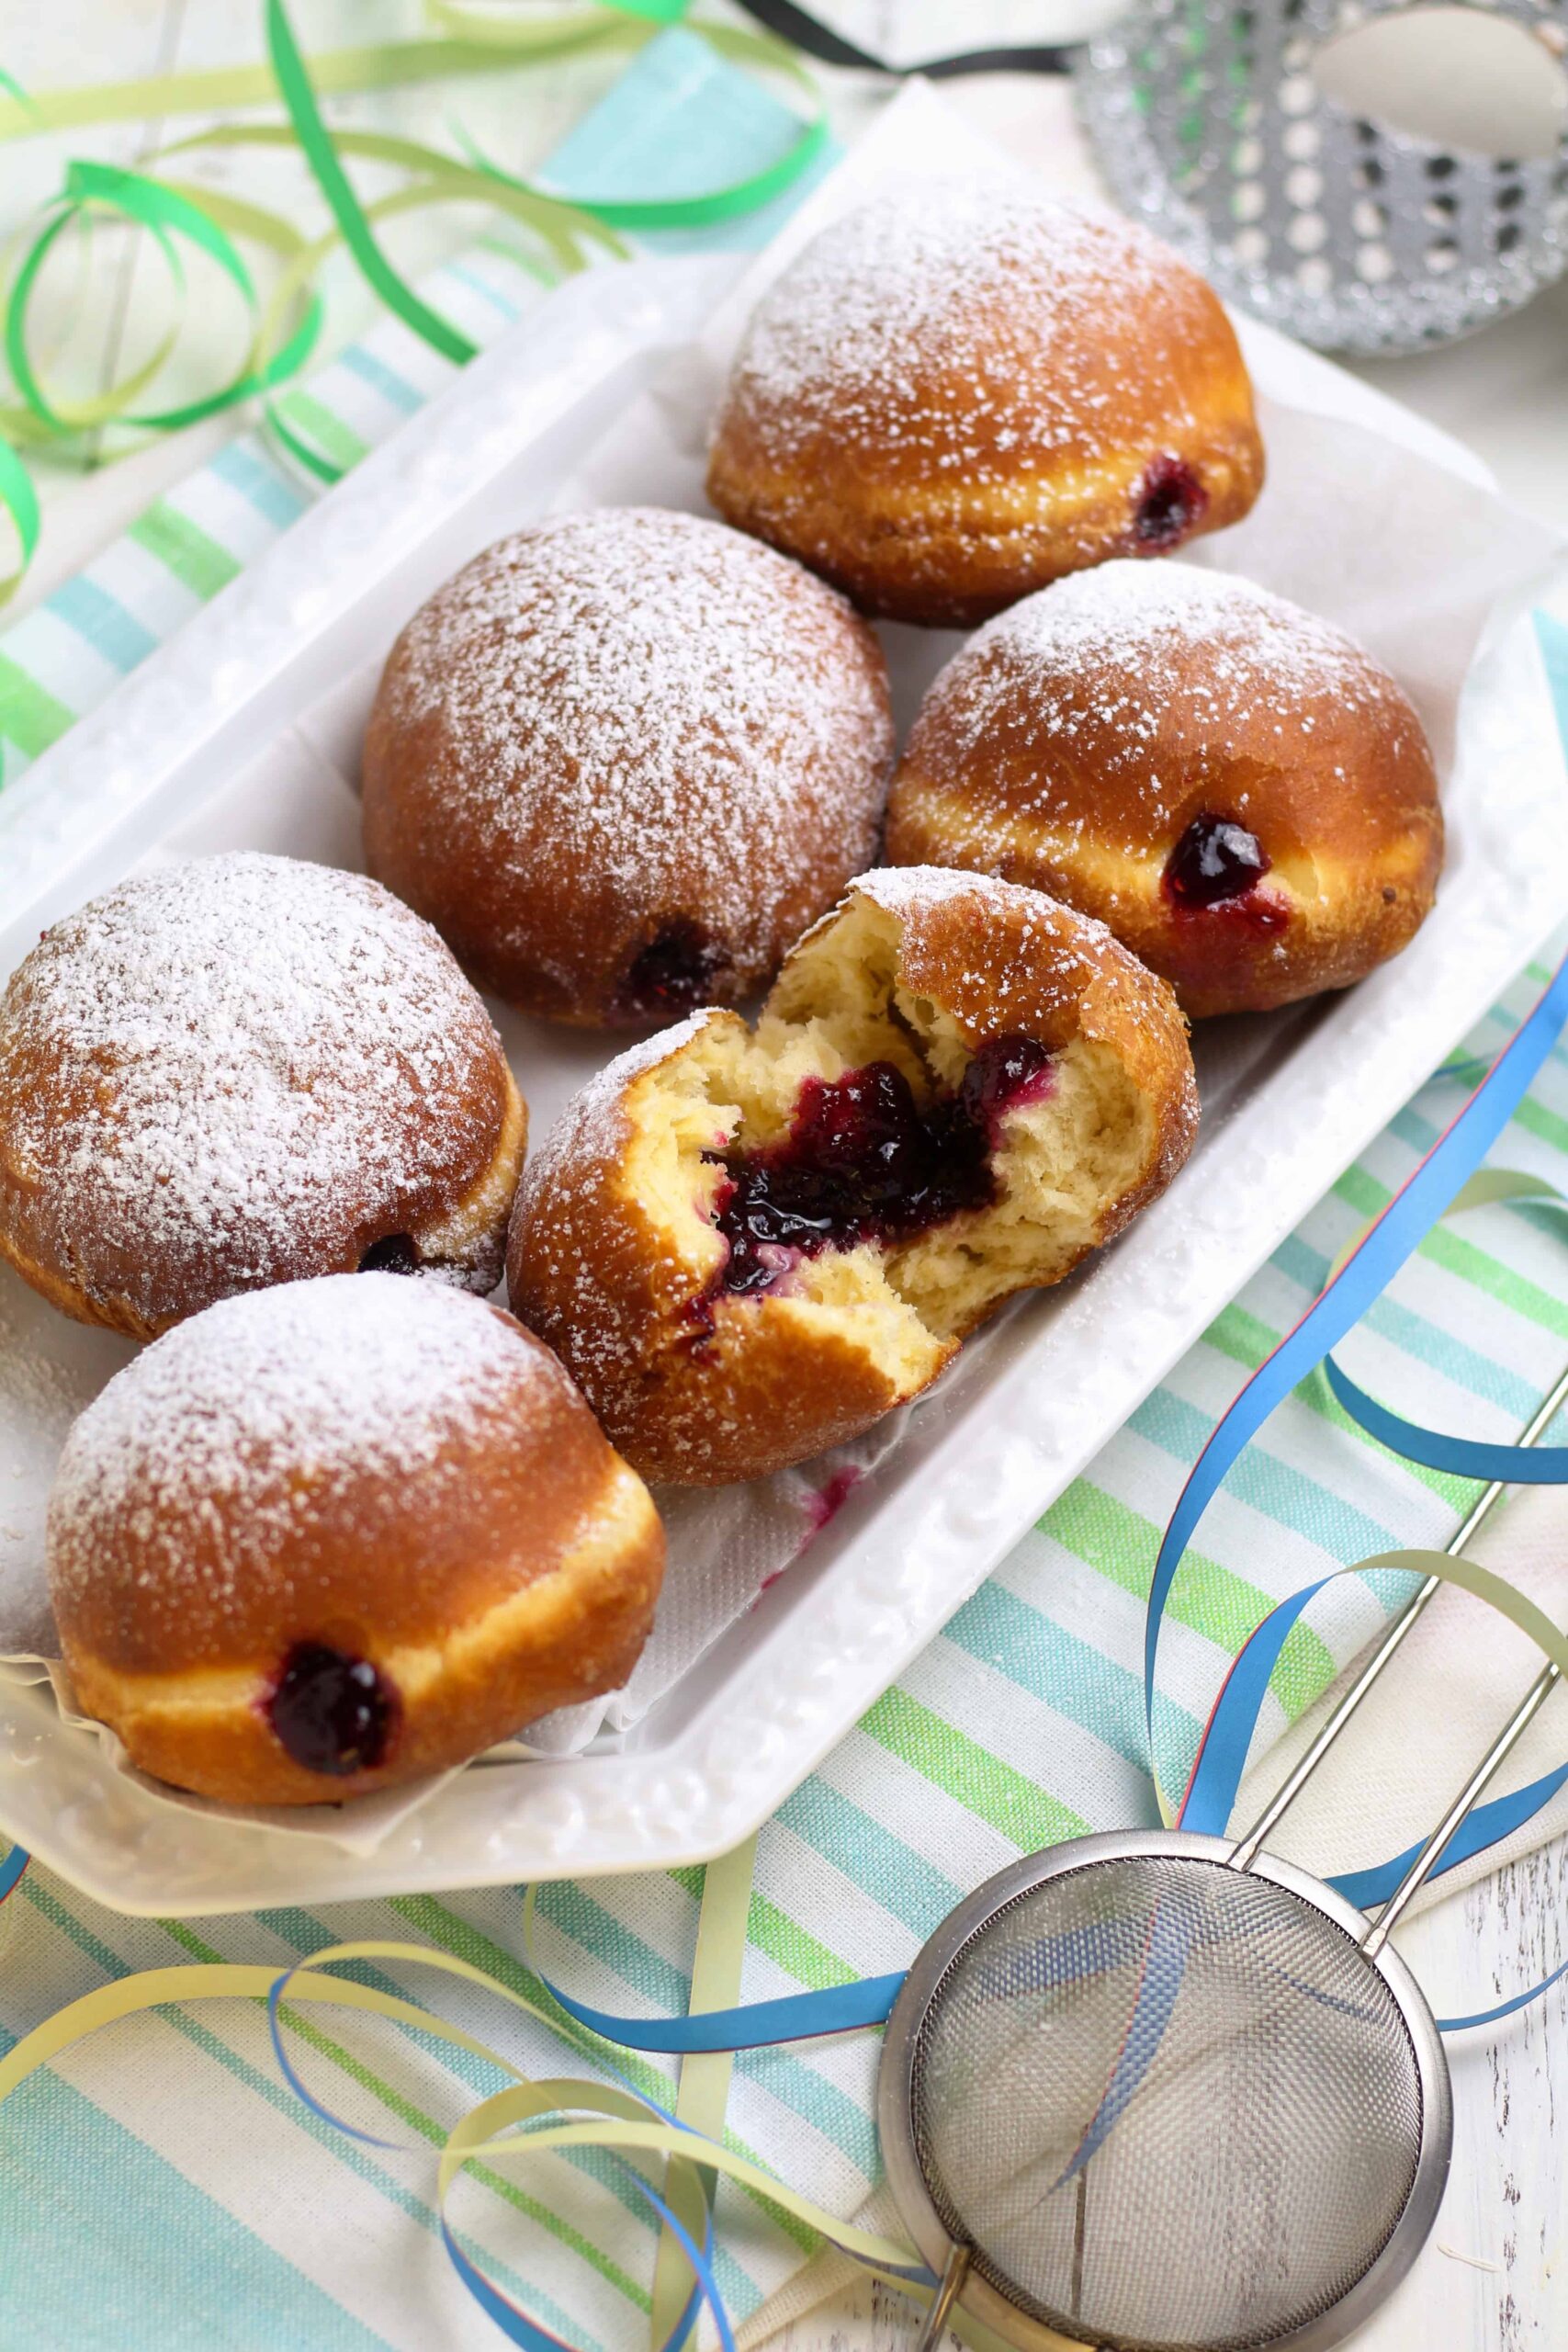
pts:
[628, 2125]
[480, 41]
[1362, 1277]
[168, 211]
[20, 501]
[818, 40]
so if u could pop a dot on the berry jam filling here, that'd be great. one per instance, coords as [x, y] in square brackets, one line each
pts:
[863, 1161]
[1214, 859]
[672, 974]
[1170, 505]
[333, 1714]
[394, 1254]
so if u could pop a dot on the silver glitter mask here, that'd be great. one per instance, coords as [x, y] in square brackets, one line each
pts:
[1209, 124]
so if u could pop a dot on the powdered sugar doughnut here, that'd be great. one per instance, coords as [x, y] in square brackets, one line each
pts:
[622, 759]
[746, 1246]
[962, 391]
[338, 1534]
[240, 1071]
[1239, 791]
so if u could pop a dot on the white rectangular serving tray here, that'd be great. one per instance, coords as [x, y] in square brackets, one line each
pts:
[243, 731]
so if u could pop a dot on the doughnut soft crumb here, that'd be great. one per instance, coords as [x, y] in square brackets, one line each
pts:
[1032, 1081]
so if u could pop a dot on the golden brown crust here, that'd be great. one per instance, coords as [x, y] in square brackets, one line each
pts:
[1073, 742]
[948, 402]
[1000, 958]
[509, 1566]
[244, 1071]
[622, 758]
[700, 1387]
[598, 1272]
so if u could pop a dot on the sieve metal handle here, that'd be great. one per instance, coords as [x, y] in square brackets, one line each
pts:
[1247, 1851]
[953, 2275]
[1420, 1869]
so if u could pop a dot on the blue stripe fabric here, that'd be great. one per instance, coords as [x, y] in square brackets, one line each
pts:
[246, 469]
[105, 623]
[394, 389]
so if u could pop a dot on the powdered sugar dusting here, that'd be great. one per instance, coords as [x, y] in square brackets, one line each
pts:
[905, 890]
[254, 1415]
[1032, 948]
[634, 697]
[220, 1069]
[1116, 646]
[949, 307]
[1143, 667]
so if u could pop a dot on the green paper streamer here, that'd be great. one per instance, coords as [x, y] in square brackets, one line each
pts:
[334, 183]
[286, 328]
[21, 502]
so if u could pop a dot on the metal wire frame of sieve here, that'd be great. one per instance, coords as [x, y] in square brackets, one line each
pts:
[1164, 2104]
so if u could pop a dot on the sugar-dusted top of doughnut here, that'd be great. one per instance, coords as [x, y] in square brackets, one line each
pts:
[630, 693]
[1134, 669]
[217, 1060]
[268, 1416]
[967, 318]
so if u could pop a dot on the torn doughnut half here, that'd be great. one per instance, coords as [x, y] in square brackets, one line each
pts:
[747, 1245]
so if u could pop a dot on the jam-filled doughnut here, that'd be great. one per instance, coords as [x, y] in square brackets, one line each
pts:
[1245, 797]
[747, 1247]
[623, 759]
[330, 1537]
[240, 1071]
[963, 392]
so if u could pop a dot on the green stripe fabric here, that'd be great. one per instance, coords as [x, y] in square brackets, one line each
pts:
[195, 559]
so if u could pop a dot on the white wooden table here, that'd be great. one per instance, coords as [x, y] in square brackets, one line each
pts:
[1494, 2279]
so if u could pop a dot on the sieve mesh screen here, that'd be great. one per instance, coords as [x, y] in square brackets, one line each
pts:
[1169, 2107]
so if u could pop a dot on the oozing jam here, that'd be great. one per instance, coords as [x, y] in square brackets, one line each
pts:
[672, 974]
[393, 1254]
[863, 1161]
[332, 1712]
[1170, 503]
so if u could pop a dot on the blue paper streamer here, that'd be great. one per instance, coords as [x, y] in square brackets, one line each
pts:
[513, 2323]
[1515, 1465]
[756, 2025]
[1363, 1277]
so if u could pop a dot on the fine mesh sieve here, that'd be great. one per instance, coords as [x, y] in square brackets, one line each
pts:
[1155, 2092]
[1162, 2102]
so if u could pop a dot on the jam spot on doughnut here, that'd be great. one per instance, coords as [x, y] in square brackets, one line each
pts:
[332, 1712]
[1216, 858]
[1170, 503]
[673, 974]
[863, 1161]
[393, 1254]
[1215, 869]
